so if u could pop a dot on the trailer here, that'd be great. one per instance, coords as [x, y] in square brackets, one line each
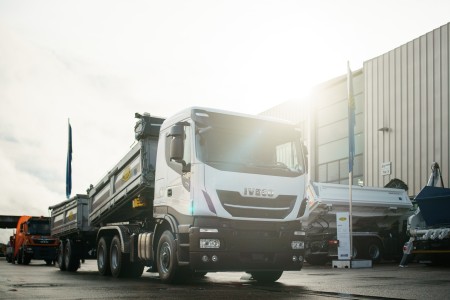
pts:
[70, 224]
[378, 215]
[203, 191]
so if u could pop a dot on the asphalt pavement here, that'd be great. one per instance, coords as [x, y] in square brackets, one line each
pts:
[382, 281]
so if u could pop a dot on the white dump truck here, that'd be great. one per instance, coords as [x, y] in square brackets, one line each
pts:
[379, 218]
[203, 191]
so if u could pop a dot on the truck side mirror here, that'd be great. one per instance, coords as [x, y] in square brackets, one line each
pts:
[176, 149]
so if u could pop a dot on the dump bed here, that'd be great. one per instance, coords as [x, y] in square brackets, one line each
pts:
[380, 206]
[126, 192]
[434, 204]
[70, 216]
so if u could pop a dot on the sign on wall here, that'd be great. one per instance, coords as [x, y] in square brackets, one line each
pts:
[386, 168]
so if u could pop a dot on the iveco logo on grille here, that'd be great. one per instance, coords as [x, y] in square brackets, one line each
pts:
[258, 192]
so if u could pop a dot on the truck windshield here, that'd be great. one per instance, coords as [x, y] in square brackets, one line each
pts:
[267, 149]
[39, 228]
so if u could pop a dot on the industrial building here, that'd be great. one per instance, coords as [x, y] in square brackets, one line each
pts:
[402, 126]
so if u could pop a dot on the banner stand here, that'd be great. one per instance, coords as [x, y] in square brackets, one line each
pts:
[345, 260]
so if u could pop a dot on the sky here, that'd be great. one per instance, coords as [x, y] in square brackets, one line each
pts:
[96, 63]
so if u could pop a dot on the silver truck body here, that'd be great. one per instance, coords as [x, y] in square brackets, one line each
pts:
[378, 217]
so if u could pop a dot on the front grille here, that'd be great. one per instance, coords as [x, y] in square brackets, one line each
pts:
[256, 207]
[44, 241]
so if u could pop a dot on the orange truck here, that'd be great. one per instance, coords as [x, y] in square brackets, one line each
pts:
[32, 240]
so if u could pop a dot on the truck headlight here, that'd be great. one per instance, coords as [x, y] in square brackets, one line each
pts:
[209, 243]
[296, 245]
[299, 233]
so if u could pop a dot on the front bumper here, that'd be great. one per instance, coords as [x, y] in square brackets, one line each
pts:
[39, 252]
[247, 246]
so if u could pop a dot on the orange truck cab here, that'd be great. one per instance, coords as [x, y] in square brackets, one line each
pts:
[33, 240]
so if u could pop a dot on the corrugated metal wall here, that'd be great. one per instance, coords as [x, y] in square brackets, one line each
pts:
[407, 94]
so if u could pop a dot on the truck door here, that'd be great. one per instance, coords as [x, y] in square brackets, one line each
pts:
[174, 189]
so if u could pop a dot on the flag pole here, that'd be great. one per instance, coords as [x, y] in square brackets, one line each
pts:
[69, 162]
[351, 143]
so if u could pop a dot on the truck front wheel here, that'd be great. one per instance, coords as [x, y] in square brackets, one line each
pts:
[103, 257]
[266, 276]
[18, 257]
[317, 259]
[166, 257]
[26, 258]
[374, 250]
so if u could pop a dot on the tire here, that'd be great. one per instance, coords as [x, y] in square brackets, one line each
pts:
[25, 258]
[135, 270]
[103, 257]
[71, 259]
[166, 258]
[199, 274]
[48, 262]
[266, 276]
[19, 257]
[317, 260]
[118, 261]
[374, 250]
[356, 250]
[61, 262]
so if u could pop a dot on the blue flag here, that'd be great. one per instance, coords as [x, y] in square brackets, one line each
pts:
[69, 165]
[351, 119]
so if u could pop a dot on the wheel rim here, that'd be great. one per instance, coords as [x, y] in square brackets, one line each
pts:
[374, 252]
[60, 255]
[67, 253]
[114, 262]
[355, 252]
[164, 257]
[101, 257]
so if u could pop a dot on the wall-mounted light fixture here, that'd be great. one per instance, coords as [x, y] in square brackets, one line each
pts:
[384, 129]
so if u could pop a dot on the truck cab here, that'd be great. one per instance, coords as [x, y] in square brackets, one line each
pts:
[33, 241]
[233, 185]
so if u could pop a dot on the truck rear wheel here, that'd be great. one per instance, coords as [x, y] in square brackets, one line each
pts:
[103, 257]
[61, 263]
[356, 250]
[266, 276]
[71, 259]
[374, 250]
[119, 261]
[317, 259]
[166, 257]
